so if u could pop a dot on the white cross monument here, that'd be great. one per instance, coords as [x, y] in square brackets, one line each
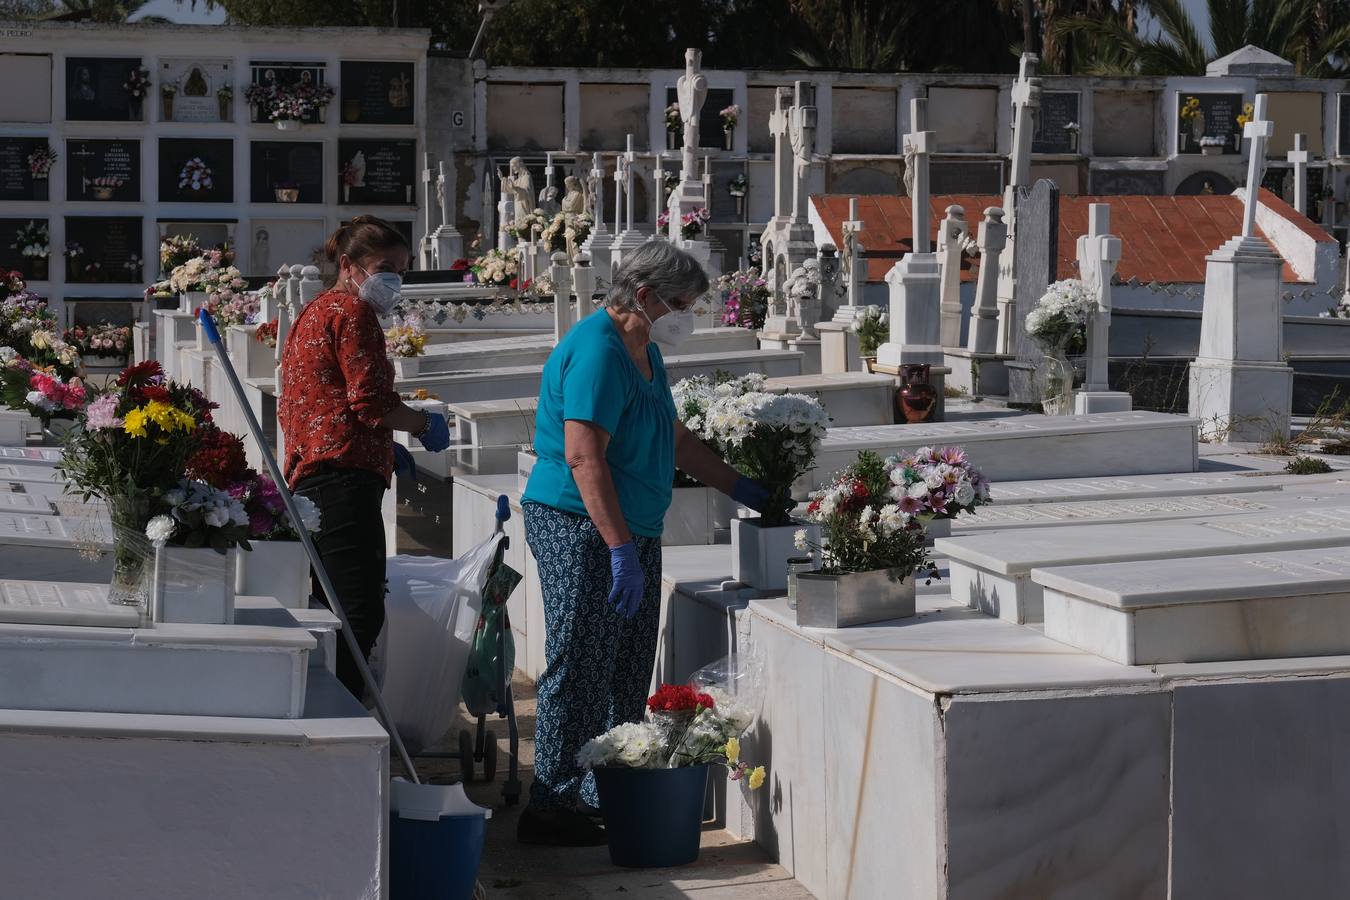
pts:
[1241, 389]
[1098, 256]
[629, 238]
[1026, 97]
[915, 280]
[597, 243]
[430, 198]
[1300, 157]
[449, 242]
[953, 240]
[788, 240]
[839, 349]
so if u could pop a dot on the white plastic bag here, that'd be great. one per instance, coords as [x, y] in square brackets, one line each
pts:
[430, 616]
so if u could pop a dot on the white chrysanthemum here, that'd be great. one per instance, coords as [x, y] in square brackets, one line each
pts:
[918, 490]
[310, 516]
[160, 529]
[38, 400]
[799, 540]
[965, 494]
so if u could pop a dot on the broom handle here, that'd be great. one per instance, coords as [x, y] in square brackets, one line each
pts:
[209, 327]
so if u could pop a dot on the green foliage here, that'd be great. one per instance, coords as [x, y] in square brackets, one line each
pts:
[1307, 465]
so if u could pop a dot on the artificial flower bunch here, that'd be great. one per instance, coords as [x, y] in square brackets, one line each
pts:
[41, 160]
[693, 395]
[220, 462]
[195, 176]
[350, 175]
[771, 438]
[497, 267]
[177, 249]
[21, 314]
[406, 338]
[745, 298]
[226, 299]
[567, 230]
[684, 727]
[137, 84]
[1062, 313]
[873, 328]
[1248, 113]
[267, 333]
[524, 226]
[864, 525]
[103, 339]
[32, 240]
[729, 116]
[936, 482]
[108, 182]
[278, 101]
[692, 223]
[1190, 109]
[674, 121]
[40, 393]
[195, 514]
[803, 285]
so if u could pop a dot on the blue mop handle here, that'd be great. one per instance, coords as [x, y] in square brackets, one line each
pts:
[213, 335]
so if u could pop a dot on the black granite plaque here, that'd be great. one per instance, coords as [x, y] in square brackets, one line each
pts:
[1343, 124]
[1059, 109]
[282, 170]
[113, 250]
[16, 177]
[290, 74]
[377, 93]
[103, 170]
[709, 118]
[11, 249]
[196, 171]
[1209, 116]
[1106, 182]
[377, 173]
[96, 92]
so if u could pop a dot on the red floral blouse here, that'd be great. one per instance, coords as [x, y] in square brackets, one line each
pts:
[336, 385]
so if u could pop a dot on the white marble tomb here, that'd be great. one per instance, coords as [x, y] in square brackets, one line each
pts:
[1125, 487]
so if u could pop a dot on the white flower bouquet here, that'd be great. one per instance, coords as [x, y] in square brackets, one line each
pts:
[771, 438]
[1062, 313]
[695, 394]
[406, 339]
[197, 515]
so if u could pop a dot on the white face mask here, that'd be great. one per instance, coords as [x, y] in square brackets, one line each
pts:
[381, 290]
[673, 328]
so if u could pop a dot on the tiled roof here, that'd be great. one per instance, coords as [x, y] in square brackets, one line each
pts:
[1163, 239]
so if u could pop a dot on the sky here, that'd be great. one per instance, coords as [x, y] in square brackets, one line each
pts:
[1199, 10]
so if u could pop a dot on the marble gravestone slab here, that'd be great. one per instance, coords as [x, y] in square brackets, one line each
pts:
[992, 572]
[24, 504]
[61, 603]
[53, 531]
[1032, 447]
[1262, 606]
[33, 456]
[1106, 512]
[29, 473]
[1058, 490]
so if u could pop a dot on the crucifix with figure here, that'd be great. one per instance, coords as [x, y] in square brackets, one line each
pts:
[1098, 255]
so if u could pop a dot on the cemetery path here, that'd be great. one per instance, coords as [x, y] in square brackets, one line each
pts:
[727, 869]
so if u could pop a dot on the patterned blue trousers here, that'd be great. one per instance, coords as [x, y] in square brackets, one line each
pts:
[599, 663]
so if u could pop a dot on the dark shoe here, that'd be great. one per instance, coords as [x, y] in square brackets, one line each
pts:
[558, 828]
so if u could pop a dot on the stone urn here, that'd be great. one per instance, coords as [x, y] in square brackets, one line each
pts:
[916, 397]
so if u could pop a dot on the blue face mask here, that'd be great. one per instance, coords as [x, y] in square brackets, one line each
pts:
[381, 290]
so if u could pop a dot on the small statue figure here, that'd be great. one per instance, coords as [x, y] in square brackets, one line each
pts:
[574, 201]
[520, 185]
[399, 95]
[548, 199]
[359, 167]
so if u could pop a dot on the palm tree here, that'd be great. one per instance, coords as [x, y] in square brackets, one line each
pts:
[1313, 34]
[105, 11]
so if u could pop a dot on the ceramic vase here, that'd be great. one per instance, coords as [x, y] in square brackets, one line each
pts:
[653, 817]
[916, 396]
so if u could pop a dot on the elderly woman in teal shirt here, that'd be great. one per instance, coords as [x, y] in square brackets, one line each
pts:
[608, 443]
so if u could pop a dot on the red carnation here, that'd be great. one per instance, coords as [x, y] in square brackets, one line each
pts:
[678, 698]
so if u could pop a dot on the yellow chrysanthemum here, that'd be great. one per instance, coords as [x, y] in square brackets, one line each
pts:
[756, 778]
[733, 751]
[135, 422]
[184, 420]
[161, 414]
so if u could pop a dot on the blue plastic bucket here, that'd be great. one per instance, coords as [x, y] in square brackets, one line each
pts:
[435, 860]
[653, 817]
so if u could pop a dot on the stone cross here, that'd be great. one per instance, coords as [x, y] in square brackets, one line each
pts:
[919, 143]
[428, 249]
[629, 158]
[691, 90]
[1026, 97]
[1098, 256]
[658, 190]
[782, 158]
[1300, 157]
[449, 242]
[506, 214]
[561, 276]
[993, 237]
[953, 233]
[802, 136]
[853, 259]
[1258, 131]
[707, 183]
[619, 164]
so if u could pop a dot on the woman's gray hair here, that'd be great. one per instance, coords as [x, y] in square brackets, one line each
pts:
[670, 273]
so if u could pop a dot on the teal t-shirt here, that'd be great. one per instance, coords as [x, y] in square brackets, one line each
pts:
[590, 377]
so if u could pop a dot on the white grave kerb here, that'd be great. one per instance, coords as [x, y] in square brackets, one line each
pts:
[1300, 157]
[1240, 387]
[1098, 256]
[915, 281]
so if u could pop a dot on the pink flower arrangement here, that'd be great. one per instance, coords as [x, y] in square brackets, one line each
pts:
[102, 413]
[49, 394]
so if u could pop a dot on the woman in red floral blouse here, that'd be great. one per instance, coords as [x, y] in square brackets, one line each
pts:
[338, 412]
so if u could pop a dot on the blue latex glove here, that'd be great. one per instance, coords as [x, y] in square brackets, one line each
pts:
[626, 569]
[404, 467]
[751, 493]
[437, 436]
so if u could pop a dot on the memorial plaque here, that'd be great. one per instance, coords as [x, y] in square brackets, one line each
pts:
[103, 170]
[289, 241]
[1059, 109]
[286, 172]
[965, 178]
[95, 90]
[377, 172]
[287, 74]
[197, 85]
[709, 121]
[11, 251]
[34, 72]
[196, 171]
[112, 249]
[377, 93]
[1343, 124]
[16, 176]
[1105, 182]
[1202, 116]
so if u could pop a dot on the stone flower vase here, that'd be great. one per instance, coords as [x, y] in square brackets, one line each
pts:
[193, 585]
[277, 569]
[916, 396]
[406, 366]
[653, 817]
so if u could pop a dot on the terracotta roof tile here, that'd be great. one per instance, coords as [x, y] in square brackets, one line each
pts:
[1164, 239]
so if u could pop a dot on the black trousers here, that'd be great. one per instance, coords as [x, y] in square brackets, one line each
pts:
[351, 543]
